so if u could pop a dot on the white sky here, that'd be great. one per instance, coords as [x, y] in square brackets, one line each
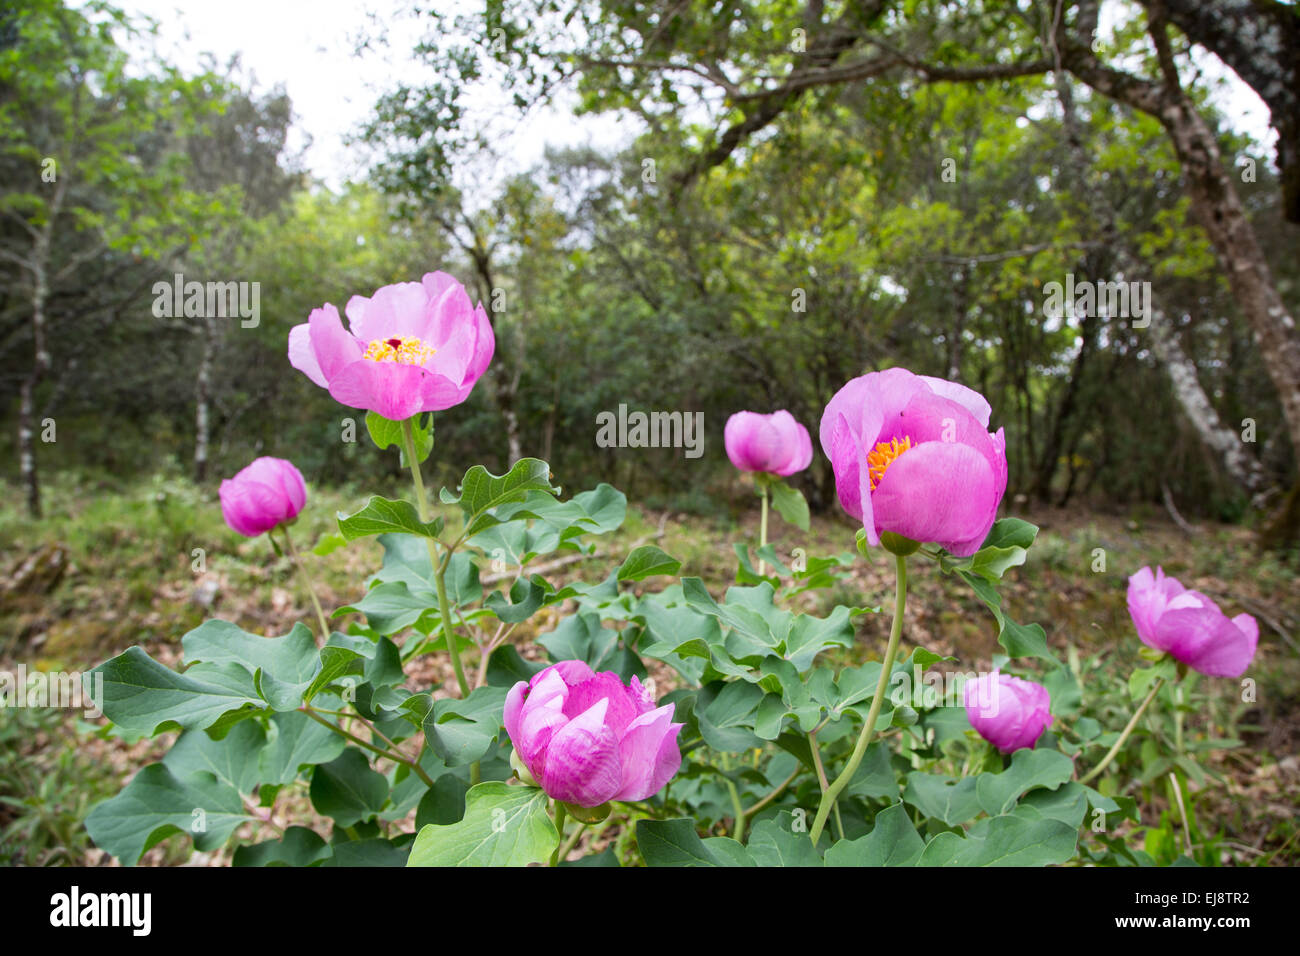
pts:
[309, 46]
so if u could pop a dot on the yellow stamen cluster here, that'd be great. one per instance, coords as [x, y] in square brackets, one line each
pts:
[401, 349]
[882, 456]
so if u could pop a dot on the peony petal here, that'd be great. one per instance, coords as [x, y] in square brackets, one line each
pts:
[794, 446]
[1206, 640]
[608, 687]
[933, 418]
[968, 398]
[302, 356]
[750, 441]
[390, 389]
[267, 492]
[938, 491]
[647, 752]
[510, 716]
[333, 347]
[400, 309]
[484, 347]
[582, 763]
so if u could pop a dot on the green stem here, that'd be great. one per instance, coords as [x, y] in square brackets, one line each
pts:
[439, 567]
[1110, 755]
[774, 794]
[571, 842]
[396, 758]
[737, 808]
[448, 634]
[762, 527]
[306, 583]
[559, 828]
[821, 780]
[868, 729]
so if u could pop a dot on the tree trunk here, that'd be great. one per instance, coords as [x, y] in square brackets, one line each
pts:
[1224, 442]
[1260, 40]
[40, 362]
[203, 400]
[1217, 206]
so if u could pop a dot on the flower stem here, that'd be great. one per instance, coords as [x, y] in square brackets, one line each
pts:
[821, 779]
[439, 567]
[868, 729]
[762, 527]
[571, 842]
[1110, 755]
[559, 828]
[774, 794]
[397, 758]
[306, 583]
[737, 808]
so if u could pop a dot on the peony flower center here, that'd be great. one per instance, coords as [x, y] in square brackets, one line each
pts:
[401, 349]
[882, 456]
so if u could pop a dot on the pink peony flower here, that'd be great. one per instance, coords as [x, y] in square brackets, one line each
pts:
[1008, 712]
[912, 455]
[268, 492]
[588, 739]
[1189, 626]
[412, 347]
[773, 443]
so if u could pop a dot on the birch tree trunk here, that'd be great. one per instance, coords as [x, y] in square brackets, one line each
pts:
[1226, 443]
[203, 399]
[1216, 206]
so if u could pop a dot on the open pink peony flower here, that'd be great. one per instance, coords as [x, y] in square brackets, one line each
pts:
[270, 491]
[1010, 713]
[411, 347]
[1189, 626]
[588, 739]
[773, 443]
[913, 456]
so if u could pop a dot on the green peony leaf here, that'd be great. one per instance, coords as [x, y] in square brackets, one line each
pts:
[461, 731]
[502, 826]
[143, 697]
[299, 847]
[672, 843]
[347, 789]
[155, 805]
[481, 491]
[775, 843]
[647, 561]
[1029, 770]
[295, 741]
[387, 516]
[893, 841]
[952, 801]
[790, 504]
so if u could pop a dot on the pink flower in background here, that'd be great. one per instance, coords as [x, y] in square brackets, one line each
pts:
[268, 492]
[1010, 713]
[774, 443]
[587, 739]
[912, 455]
[411, 347]
[1189, 626]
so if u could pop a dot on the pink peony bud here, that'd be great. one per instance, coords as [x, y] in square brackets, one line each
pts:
[1188, 626]
[1008, 712]
[268, 492]
[913, 456]
[412, 347]
[774, 443]
[588, 739]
